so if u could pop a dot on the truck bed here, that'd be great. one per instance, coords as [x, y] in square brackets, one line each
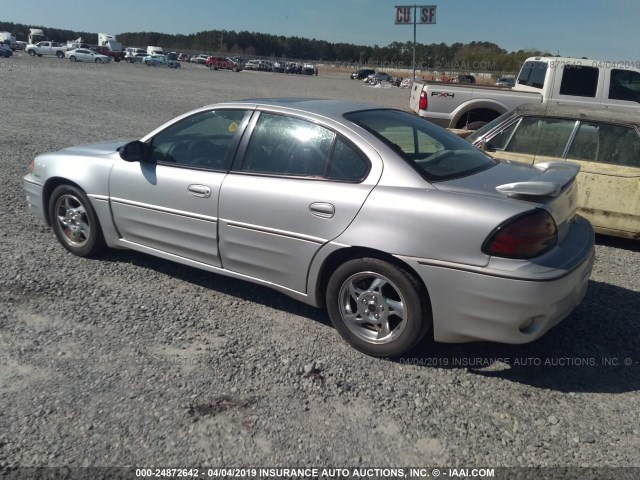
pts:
[446, 102]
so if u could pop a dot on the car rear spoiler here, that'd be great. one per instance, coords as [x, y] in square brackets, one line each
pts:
[554, 177]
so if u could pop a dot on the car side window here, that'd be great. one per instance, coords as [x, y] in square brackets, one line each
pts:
[606, 143]
[499, 141]
[579, 81]
[347, 163]
[624, 85]
[201, 140]
[541, 136]
[533, 74]
[283, 145]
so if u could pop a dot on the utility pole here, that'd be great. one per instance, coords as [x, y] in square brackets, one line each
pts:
[408, 14]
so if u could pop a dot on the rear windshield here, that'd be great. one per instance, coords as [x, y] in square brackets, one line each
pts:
[433, 151]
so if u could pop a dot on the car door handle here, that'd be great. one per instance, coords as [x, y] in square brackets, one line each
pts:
[199, 191]
[321, 209]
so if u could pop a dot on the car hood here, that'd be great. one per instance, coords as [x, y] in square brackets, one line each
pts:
[96, 149]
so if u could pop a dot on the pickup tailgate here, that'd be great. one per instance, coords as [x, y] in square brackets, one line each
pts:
[414, 99]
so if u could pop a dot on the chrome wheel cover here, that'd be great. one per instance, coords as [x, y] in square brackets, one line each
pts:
[73, 221]
[372, 307]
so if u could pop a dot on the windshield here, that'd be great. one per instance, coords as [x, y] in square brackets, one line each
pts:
[487, 127]
[436, 153]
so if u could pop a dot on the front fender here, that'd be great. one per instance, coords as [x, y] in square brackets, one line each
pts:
[89, 173]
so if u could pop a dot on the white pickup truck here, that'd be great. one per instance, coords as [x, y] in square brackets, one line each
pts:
[46, 48]
[556, 80]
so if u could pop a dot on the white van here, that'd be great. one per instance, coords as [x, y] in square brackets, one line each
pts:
[151, 50]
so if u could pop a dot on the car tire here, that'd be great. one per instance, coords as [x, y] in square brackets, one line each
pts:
[72, 58]
[377, 307]
[59, 54]
[74, 221]
[98, 60]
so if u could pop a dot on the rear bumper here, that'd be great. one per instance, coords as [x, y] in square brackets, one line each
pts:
[474, 306]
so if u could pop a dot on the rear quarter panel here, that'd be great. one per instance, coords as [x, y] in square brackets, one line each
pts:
[430, 224]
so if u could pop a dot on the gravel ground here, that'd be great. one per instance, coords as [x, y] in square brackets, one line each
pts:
[132, 360]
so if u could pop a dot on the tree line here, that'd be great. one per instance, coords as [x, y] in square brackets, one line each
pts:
[475, 56]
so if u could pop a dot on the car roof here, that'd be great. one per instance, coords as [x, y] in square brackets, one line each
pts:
[334, 109]
[579, 112]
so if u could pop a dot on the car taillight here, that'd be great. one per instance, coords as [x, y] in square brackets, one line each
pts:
[422, 105]
[523, 236]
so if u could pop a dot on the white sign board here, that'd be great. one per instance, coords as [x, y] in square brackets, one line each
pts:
[425, 14]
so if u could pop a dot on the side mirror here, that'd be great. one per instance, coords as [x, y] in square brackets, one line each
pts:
[135, 151]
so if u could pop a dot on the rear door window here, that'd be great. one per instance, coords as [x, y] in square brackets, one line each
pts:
[606, 143]
[282, 145]
[541, 136]
[579, 81]
[624, 85]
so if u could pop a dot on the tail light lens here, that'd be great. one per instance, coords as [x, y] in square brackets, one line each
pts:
[422, 105]
[524, 236]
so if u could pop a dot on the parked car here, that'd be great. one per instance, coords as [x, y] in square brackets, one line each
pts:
[224, 63]
[393, 224]
[292, 67]
[604, 142]
[200, 59]
[265, 65]
[279, 67]
[252, 65]
[309, 69]
[137, 58]
[46, 48]
[184, 57]
[550, 80]
[116, 55]
[362, 74]
[132, 55]
[5, 51]
[86, 55]
[378, 77]
[158, 60]
[506, 82]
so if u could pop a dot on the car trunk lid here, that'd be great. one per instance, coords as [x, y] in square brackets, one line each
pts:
[550, 185]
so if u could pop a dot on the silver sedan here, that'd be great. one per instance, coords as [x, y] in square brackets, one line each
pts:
[86, 55]
[397, 227]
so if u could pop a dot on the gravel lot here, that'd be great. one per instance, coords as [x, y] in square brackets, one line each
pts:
[132, 360]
